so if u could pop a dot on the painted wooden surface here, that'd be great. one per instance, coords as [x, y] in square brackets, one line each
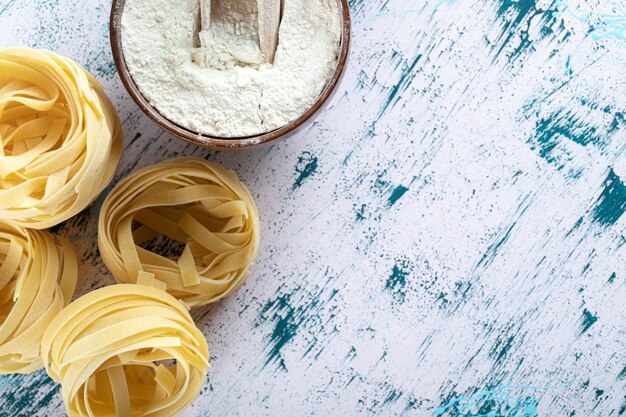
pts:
[448, 239]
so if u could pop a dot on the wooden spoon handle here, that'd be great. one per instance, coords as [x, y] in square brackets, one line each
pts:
[269, 24]
[205, 14]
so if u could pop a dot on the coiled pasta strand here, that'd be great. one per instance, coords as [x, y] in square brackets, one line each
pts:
[61, 138]
[199, 205]
[127, 351]
[38, 275]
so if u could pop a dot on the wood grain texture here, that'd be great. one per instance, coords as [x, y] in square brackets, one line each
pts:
[448, 239]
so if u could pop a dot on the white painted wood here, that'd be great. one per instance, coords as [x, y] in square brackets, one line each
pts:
[445, 238]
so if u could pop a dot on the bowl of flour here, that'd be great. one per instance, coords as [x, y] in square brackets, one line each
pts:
[214, 87]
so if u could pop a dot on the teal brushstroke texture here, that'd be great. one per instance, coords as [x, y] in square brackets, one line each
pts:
[553, 133]
[588, 320]
[517, 16]
[612, 278]
[290, 313]
[435, 6]
[569, 125]
[498, 402]
[611, 205]
[7, 6]
[287, 320]
[503, 236]
[397, 194]
[396, 92]
[397, 281]
[24, 393]
[602, 26]
[502, 347]
[305, 168]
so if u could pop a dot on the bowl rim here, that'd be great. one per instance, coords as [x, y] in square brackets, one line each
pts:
[216, 142]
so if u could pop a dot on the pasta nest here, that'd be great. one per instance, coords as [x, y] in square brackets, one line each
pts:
[126, 351]
[199, 206]
[61, 138]
[37, 279]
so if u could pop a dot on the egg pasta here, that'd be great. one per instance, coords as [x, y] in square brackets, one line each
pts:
[199, 205]
[126, 351]
[37, 279]
[61, 138]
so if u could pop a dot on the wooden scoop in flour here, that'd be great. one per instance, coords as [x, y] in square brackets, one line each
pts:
[270, 14]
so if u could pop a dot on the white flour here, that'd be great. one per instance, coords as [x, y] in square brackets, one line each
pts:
[221, 89]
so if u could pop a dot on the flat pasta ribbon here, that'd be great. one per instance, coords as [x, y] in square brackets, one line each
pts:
[126, 351]
[199, 205]
[61, 138]
[37, 279]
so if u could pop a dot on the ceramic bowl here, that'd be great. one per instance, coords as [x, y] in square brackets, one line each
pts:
[224, 143]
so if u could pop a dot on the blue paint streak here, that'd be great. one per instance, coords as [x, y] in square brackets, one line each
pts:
[498, 402]
[612, 278]
[444, 2]
[503, 236]
[588, 320]
[23, 393]
[287, 320]
[360, 213]
[7, 6]
[503, 347]
[602, 26]
[397, 194]
[570, 126]
[290, 313]
[611, 205]
[395, 94]
[305, 168]
[564, 125]
[518, 15]
[397, 281]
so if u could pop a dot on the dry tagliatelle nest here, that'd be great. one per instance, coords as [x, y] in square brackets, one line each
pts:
[61, 138]
[202, 207]
[126, 351]
[37, 279]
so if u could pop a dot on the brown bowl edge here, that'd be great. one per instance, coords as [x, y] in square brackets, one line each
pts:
[213, 142]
